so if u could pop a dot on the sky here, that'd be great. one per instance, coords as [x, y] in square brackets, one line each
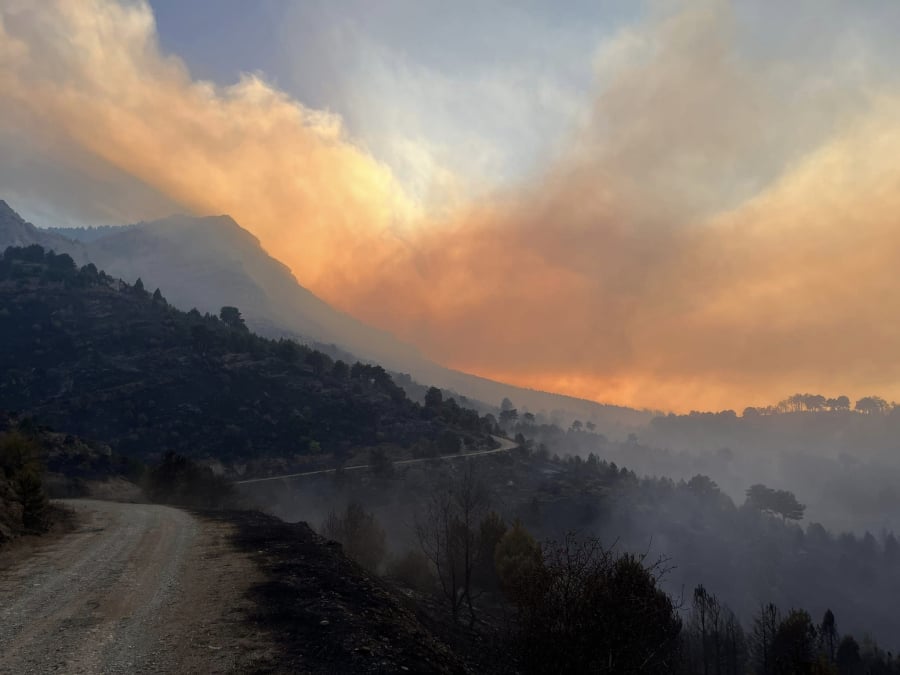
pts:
[666, 204]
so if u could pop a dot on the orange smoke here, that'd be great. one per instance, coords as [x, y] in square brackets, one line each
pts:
[700, 245]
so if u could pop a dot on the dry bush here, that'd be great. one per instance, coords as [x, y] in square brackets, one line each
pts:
[587, 609]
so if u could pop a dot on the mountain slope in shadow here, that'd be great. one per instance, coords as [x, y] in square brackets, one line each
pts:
[208, 262]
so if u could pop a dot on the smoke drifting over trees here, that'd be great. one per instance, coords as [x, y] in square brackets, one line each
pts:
[686, 172]
[716, 227]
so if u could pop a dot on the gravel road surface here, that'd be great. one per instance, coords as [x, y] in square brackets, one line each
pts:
[136, 588]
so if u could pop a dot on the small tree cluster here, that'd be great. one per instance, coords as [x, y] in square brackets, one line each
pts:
[867, 405]
[777, 502]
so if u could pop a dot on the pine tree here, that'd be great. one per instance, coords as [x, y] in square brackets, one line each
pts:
[33, 499]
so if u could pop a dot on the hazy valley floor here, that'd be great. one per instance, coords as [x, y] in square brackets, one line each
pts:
[135, 588]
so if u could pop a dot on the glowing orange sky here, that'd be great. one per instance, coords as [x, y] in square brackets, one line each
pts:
[701, 244]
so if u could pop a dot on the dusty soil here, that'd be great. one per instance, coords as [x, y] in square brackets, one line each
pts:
[134, 588]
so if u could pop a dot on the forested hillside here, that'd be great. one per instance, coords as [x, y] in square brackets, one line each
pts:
[90, 354]
[207, 262]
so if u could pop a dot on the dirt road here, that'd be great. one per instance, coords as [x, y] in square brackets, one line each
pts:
[135, 588]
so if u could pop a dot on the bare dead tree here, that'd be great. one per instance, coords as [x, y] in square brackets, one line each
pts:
[589, 609]
[434, 531]
[448, 536]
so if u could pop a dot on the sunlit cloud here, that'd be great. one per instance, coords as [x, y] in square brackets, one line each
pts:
[716, 227]
[92, 72]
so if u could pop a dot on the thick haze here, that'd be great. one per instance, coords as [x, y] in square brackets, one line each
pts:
[696, 205]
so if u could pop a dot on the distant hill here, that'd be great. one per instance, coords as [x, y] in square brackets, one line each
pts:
[14, 231]
[85, 352]
[210, 262]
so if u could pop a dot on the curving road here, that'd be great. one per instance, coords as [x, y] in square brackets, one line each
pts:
[125, 593]
[505, 446]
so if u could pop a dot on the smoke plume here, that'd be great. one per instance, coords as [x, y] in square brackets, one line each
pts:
[722, 227]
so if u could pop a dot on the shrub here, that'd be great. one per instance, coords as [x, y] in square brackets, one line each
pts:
[517, 559]
[359, 533]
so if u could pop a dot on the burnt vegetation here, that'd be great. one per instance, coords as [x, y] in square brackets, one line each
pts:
[508, 599]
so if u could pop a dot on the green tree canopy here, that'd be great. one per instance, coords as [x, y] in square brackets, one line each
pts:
[777, 502]
[231, 316]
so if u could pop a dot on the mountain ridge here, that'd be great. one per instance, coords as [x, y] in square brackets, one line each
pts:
[211, 261]
[16, 231]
